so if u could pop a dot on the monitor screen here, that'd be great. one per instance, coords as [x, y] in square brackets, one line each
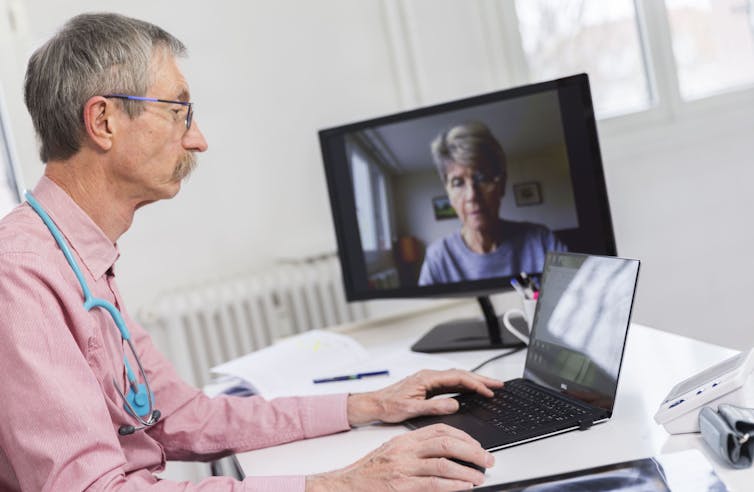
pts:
[458, 198]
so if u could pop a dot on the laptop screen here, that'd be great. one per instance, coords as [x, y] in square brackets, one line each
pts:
[580, 325]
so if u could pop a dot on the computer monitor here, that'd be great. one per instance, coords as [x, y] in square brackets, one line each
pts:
[456, 199]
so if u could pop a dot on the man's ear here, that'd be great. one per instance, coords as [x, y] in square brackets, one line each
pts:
[99, 121]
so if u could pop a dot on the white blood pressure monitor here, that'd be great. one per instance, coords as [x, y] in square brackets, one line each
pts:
[726, 382]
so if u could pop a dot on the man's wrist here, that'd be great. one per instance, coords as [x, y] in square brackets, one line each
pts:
[328, 482]
[362, 408]
[316, 483]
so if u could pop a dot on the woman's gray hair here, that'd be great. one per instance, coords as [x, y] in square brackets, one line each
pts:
[93, 54]
[468, 144]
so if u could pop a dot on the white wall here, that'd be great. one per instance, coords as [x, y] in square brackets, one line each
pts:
[267, 74]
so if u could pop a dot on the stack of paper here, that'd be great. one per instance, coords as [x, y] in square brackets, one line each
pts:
[289, 367]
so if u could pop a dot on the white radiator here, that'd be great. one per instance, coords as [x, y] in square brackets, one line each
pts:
[200, 327]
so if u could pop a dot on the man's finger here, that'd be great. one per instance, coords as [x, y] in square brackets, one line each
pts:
[448, 469]
[458, 380]
[446, 446]
[435, 406]
[435, 430]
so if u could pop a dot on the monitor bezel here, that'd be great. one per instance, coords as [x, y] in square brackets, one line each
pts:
[349, 244]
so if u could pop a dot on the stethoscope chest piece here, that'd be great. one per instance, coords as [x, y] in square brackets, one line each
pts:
[138, 401]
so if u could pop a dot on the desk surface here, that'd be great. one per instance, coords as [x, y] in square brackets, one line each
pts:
[654, 362]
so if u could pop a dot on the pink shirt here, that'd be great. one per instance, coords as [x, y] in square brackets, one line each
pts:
[59, 410]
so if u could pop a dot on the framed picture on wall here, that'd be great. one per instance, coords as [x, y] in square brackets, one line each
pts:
[442, 208]
[527, 194]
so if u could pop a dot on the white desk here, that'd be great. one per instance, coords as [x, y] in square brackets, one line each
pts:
[653, 363]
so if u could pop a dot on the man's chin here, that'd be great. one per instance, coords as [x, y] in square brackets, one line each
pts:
[168, 190]
[175, 188]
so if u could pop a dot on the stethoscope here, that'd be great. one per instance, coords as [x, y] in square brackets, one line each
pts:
[138, 399]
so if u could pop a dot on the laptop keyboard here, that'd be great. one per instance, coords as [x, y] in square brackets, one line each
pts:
[519, 408]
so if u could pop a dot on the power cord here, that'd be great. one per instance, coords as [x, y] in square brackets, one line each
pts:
[499, 356]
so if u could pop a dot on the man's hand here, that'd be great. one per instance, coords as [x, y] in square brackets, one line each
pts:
[410, 397]
[415, 461]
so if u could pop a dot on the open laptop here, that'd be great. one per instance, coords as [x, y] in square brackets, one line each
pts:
[573, 361]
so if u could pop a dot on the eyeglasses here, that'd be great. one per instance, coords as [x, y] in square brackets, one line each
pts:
[190, 105]
[481, 181]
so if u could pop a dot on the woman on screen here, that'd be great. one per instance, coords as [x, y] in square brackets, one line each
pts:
[472, 166]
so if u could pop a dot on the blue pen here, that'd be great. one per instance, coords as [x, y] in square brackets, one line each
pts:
[351, 377]
[518, 288]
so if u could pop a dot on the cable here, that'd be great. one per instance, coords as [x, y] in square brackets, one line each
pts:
[499, 356]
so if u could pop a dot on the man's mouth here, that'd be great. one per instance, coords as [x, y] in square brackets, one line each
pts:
[185, 166]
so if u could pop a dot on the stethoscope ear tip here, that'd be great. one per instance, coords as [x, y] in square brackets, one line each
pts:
[125, 430]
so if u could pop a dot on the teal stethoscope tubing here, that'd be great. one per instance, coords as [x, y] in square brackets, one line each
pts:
[138, 400]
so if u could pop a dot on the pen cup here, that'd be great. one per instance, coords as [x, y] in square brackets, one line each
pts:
[527, 314]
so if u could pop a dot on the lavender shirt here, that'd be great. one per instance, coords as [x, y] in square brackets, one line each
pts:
[523, 250]
[59, 409]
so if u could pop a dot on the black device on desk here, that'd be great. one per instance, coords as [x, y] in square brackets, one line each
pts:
[573, 361]
[390, 205]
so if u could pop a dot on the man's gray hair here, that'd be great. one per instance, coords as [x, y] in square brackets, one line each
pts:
[468, 144]
[93, 54]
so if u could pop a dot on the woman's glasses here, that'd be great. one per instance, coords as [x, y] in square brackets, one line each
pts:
[478, 180]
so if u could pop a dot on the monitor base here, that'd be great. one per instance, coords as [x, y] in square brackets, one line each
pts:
[471, 334]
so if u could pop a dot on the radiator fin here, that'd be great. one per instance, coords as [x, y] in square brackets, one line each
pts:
[202, 326]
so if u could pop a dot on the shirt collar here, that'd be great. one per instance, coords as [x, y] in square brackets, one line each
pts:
[98, 254]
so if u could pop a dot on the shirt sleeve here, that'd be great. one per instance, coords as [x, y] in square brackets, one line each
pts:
[429, 273]
[57, 431]
[196, 427]
[554, 243]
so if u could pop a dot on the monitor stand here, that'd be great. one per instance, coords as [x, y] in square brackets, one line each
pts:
[471, 334]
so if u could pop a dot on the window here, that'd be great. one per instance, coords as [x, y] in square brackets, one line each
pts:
[371, 196]
[560, 37]
[713, 44]
[9, 196]
[640, 54]
[363, 195]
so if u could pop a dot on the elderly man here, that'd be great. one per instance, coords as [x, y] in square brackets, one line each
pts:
[80, 392]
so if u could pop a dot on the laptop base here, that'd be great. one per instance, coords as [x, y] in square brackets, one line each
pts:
[476, 418]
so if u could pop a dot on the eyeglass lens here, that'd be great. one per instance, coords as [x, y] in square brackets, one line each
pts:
[189, 115]
[479, 180]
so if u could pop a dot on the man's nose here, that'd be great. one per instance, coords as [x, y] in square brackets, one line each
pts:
[194, 139]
